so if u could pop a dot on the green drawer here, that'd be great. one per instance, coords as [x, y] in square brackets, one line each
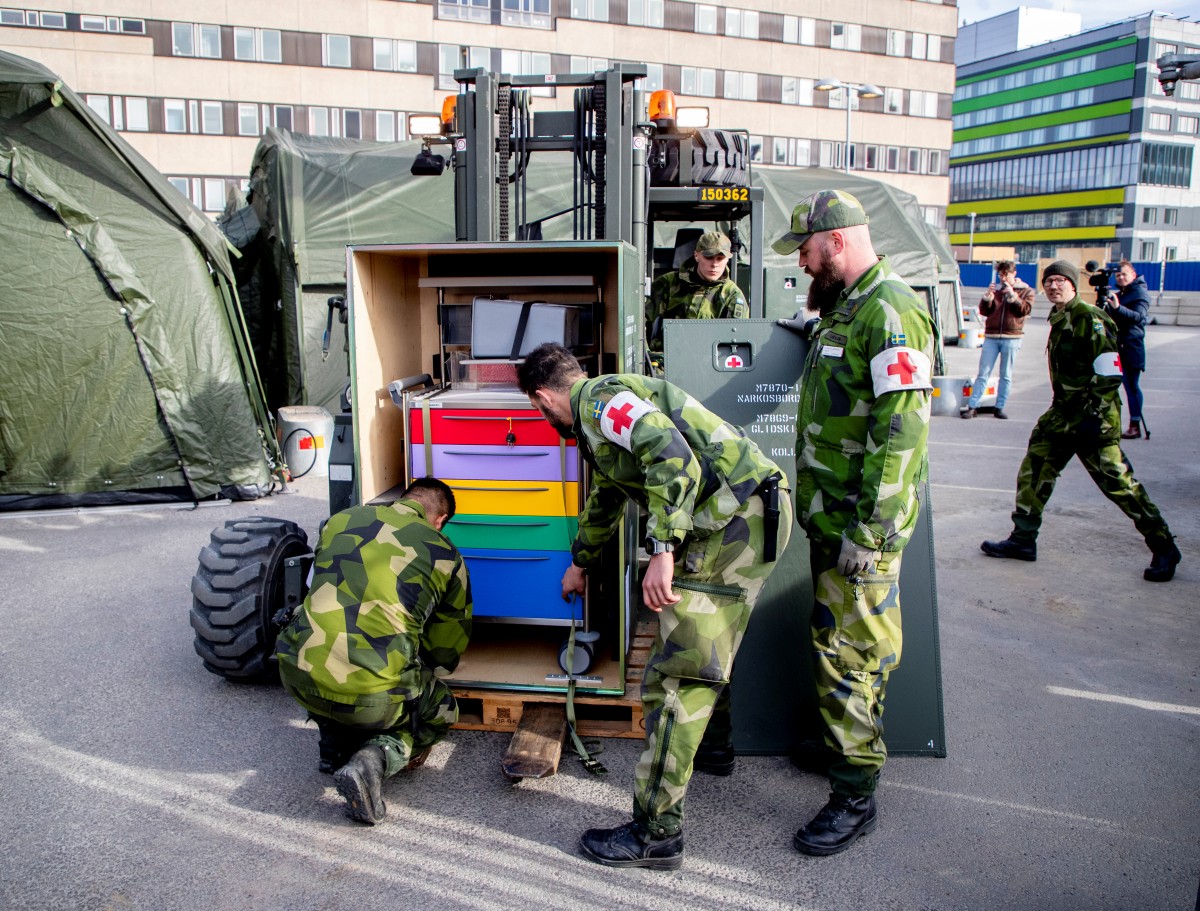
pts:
[513, 532]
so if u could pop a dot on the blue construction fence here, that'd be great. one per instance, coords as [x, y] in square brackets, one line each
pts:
[1180, 275]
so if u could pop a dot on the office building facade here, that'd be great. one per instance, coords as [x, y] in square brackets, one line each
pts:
[1072, 143]
[193, 85]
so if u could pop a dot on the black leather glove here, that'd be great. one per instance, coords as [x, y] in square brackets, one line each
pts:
[794, 323]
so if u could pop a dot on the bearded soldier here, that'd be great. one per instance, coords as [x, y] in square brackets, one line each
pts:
[388, 614]
[718, 517]
[862, 429]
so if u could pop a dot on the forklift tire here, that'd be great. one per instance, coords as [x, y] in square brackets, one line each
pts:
[236, 592]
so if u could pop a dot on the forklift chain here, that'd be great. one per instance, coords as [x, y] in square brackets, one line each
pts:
[504, 153]
[600, 107]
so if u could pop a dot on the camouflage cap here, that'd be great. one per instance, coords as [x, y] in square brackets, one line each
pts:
[713, 243]
[824, 210]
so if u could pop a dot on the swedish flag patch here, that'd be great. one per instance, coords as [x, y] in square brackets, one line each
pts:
[597, 410]
[897, 340]
[1097, 326]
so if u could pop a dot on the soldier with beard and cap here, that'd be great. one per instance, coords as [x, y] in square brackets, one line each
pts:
[718, 517]
[862, 428]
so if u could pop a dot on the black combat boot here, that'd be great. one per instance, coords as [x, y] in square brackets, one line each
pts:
[1013, 550]
[631, 845]
[1162, 565]
[359, 782]
[841, 821]
[714, 760]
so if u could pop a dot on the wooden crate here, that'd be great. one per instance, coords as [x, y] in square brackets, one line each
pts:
[596, 716]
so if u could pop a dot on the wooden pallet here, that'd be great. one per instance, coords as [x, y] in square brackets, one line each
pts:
[538, 721]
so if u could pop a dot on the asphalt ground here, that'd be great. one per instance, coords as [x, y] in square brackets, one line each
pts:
[131, 778]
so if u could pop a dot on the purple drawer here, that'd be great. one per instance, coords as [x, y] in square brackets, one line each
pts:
[496, 463]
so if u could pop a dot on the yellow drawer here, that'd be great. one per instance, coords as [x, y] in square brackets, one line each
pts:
[515, 498]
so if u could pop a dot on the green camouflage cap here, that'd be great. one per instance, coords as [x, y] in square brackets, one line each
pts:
[713, 243]
[824, 210]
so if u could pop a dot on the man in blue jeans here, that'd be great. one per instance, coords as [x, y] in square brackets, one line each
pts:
[1005, 305]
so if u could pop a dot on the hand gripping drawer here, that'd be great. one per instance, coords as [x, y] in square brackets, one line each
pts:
[515, 498]
[512, 532]
[500, 463]
[482, 426]
[521, 586]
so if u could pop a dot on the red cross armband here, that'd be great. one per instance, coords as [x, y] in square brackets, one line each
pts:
[900, 369]
[1107, 364]
[618, 417]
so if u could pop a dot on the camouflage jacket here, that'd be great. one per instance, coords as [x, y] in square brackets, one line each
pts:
[651, 442]
[1085, 371]
[684, 295]
[863, 420]
[389, 595]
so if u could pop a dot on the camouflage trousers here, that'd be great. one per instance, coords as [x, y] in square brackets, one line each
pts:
[718, 579]
[857, 640]
[1058, 437]
[401, 729]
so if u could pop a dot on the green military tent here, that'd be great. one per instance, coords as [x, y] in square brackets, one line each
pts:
[310, 197]
[125, 370]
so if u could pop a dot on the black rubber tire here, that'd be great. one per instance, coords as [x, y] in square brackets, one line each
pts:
[236, 592]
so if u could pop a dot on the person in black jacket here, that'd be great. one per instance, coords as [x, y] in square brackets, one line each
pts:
[1129, 308]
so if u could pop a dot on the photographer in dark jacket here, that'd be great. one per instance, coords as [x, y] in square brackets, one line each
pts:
[1129, 308]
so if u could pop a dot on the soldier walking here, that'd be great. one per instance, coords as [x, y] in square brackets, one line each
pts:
[718, 517]
[862, 429]
[388, 614]
[1084, 420]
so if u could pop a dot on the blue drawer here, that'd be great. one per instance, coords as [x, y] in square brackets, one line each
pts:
[521, 586]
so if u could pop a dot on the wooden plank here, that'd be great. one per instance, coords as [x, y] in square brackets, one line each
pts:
[536, 747]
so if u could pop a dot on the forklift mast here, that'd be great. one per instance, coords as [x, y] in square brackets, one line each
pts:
[628, 174]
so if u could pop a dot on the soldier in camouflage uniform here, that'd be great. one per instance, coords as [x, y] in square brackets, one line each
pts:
[862, 429]
[1084, 420]
[700, 289]
[388, 613]
[718, 515]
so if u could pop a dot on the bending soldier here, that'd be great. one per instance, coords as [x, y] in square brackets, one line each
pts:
[388, 614]
[718, 517]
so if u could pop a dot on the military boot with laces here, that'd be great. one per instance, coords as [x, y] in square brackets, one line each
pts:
[360, 781]
[1162, 565]
[840, 823]
[631, 845]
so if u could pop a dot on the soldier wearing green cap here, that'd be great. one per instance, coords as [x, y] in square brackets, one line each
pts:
[862, 427]
[387, 615]
[700, 289]
[718, 516]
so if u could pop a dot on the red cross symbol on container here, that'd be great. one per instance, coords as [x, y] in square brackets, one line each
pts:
[620, 417]
[904, 367]
[734, 362]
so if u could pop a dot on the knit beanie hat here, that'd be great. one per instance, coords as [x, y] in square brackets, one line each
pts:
[1063, 268]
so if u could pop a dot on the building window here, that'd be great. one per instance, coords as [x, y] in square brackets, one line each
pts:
[935, 161]
[1149, 215]
[1170, 254]
[654, 77]
[180, 184]
[922, 104]
[914, 161]
[1188, 91]
[335, 50]
[695, 80]
[395, 55]
[756, 147]
[183, 41]
[529, 63]
[871, 158]
[797, 91]
[211, 118]
[465, 10]
[846, 36]
[318, 121]
[261, 44]
[706, 19]
[214, 194]
[53, 20]
[797, 30]
[189, 39]
[588, 64]
[1170, 216]
[895, 42]
[741, 23]
[1161, 49]
[893, 101]
[1159, 121]
[596, 10]
[1147, 250]
[92, 23]
[248, 120]
[530, 13]
[352, 123]
[919, 45]
[892, 162]
[174, 116]
[742, 86]
[453, 57]
[283, 117]
[646, 12]
[1186, 125]
[137, 115]
[935, 48]
[99, 104]
[12, 17]
[385, 126]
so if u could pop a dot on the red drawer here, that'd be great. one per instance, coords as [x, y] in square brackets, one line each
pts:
[488, 427]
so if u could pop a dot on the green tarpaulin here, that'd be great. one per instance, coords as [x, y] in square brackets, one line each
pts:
[125, 371]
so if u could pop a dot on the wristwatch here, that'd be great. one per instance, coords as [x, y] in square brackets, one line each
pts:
[654, 546]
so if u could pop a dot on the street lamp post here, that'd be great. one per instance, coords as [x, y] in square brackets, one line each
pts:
[866, 90]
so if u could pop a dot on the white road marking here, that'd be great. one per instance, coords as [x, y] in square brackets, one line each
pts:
[1126, 700]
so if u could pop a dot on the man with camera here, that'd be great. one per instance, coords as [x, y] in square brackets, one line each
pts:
[1129, 308]
[1007, 302]
[1084, 420]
